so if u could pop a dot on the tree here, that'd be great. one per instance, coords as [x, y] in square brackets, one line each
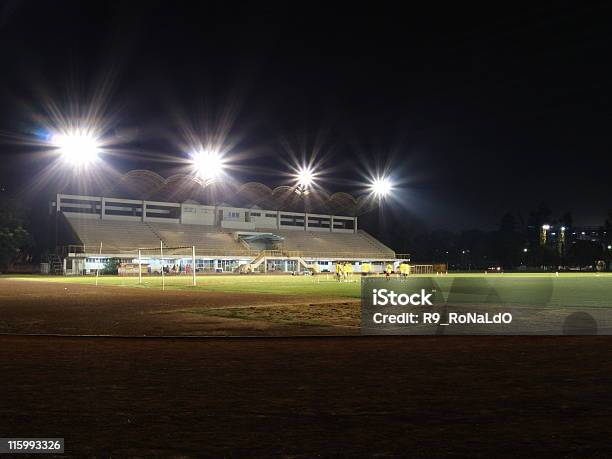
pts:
[584, 253]
[506, 245]
[13, 233]
[111, 266]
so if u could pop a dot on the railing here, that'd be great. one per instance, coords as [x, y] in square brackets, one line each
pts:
[186, 251]
[147, 251]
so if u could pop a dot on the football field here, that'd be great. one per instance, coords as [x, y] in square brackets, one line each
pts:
[575, 289]
[162, 396]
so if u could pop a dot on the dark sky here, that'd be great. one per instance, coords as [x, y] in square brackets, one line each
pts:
[476, 110]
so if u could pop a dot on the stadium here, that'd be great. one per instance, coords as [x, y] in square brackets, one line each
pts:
[176, 223]
[263, 231]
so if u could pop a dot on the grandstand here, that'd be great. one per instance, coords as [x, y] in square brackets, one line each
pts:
[225, 238]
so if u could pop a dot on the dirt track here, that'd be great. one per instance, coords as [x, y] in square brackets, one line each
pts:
[304, 397]
[54, 308]
[294, 397]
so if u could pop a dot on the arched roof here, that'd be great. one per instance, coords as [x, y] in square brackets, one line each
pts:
[144, 184]
[136, 184]
[253, 194]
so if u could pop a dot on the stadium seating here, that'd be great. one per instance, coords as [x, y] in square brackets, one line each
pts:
[113, 234]
[201, 236]
[128, 236]
[338, 244]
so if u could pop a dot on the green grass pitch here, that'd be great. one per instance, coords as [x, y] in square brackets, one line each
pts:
[570, 289]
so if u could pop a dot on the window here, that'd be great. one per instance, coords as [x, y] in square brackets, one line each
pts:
[344, 224]
[161, 211]
[271, 215]
[123, 208]
[292, 220]
[255, 214]
[233, 214]
[228, 265]
[318, 222]
[205, 265]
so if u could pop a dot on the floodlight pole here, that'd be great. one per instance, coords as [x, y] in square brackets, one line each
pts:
[161, 251]
[98, 271]
[139, 269]
[193, 265]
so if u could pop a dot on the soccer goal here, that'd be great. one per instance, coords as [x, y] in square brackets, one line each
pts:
[422, 269]
[167, 263]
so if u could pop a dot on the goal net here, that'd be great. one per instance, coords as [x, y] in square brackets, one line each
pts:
[170, 265]
[422, 269]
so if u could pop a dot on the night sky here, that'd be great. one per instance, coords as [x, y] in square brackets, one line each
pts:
[475, 111]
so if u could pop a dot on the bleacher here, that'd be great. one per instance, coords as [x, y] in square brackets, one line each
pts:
[339, 245]
[203, 237]
[119, 236]
[115, 235]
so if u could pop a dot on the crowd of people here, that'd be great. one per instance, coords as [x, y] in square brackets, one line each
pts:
[344, 271]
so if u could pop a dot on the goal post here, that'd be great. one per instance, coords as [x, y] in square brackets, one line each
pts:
[169, 264]
[421, 269]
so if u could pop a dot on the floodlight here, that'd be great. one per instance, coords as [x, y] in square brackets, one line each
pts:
[546, 227]
[563, 228]
[78, 148]
[208, 164]
[610, 247]
[381, 186]
[525, 250]
[305, 177]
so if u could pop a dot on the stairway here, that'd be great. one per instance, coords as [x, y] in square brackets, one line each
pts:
[154, 231]
[56, 265]
[277, 255]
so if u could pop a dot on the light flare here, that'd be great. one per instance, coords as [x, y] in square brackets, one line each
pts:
[381, 187]
[208, 164]
[78, 148]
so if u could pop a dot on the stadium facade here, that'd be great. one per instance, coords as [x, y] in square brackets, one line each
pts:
[251, 229]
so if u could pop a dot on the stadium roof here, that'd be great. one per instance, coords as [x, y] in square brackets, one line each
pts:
[145, 184]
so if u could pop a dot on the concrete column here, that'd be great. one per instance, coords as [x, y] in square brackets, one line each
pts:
[278, 225]
[217, 219]
[144, 211]
[103, 208]
[355, 224]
